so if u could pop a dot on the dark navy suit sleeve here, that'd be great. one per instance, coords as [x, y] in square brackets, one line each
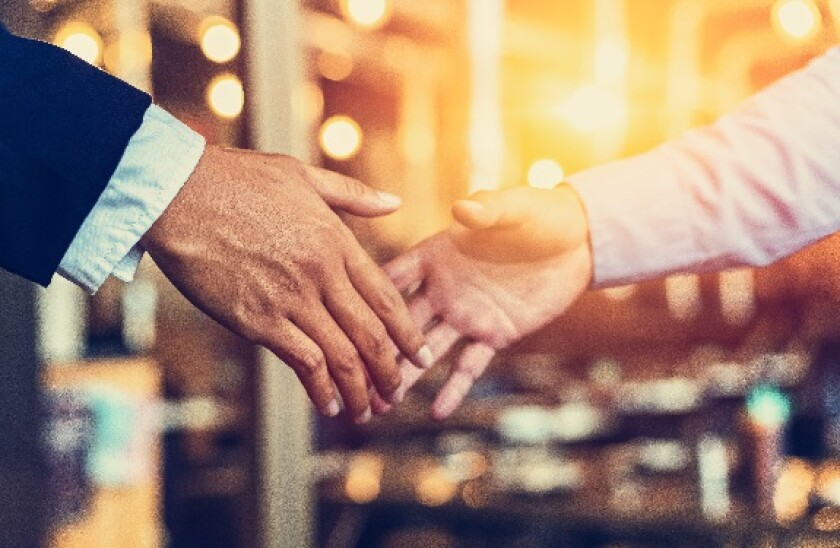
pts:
[64, 126]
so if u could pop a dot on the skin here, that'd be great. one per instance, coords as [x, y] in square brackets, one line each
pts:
[518, 259]
[253, 241]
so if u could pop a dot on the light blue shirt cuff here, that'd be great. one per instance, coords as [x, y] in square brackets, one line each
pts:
[159, 159]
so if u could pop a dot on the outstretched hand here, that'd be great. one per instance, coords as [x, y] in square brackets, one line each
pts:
[519, 259]
[252, 241]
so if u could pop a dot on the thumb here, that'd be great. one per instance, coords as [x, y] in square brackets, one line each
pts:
[351, 195]
[494, 209]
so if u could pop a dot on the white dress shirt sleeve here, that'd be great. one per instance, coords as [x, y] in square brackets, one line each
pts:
[757, 185]
[159, 159]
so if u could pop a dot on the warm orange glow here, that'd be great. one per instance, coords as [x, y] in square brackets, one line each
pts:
[436, 488]
[370, 14]
[132, 52]
[485, 23]
[682, 294]
[341, 137]
[592, 108]
[545, 174]
[226, 96]
[797, 19]
[419, 145]
[790, 499]
[335, 66]
[611, 60]
[364, 478]
[220, 40]
[309, 101]
[828, 482]
[81, 40]
[620, 293]
[835, 9]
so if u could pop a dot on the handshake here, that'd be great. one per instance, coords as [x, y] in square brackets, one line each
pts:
[254, 241]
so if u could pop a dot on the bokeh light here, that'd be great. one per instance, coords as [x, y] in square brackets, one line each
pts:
[768, 406]
[340, 137]
[335, 66]
[226, 96]
[793, 488]
[370, 14]
[619, 293]
[81, 40]
[435, 487]
[545, 173]
[364, 478]
[132, 52]
[592, 108]
[220, 41]
[797, 19]
[612, 58]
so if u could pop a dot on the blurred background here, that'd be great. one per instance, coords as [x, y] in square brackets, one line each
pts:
[690, 411]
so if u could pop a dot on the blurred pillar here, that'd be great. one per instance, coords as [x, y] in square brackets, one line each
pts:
[22, 485]
[485, 21]
[275, 72]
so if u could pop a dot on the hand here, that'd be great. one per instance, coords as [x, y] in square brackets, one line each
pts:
[520, 260]
[251, 240]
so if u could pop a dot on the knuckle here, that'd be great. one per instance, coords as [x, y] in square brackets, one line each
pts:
[379, 342]
[311, 363]
[347, 364]
[388, 301]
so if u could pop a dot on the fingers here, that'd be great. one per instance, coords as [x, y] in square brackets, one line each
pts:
[308, 362]
[421, 310]
[343, 361]
[351, 195]
[365, 330]
[383, 298]
[441, 339]
[406, 271]
[472, 363]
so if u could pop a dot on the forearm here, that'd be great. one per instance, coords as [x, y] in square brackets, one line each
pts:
[759, 184]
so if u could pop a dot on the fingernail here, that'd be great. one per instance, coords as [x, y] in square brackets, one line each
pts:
[365, 417]
[333, 408]
[389, 199]
[474, 207]
[425, 358]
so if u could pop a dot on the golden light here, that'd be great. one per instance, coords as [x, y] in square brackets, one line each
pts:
[419, 145]
[835, 9]
[308, 100]
[133, 51]
[81, 40]
[682, 293]
[485, 33]
[797, 19]
[369, 14]
[226, 96]
[220, 41]
[340, 137]
[436, 488]
[364, 478]
[793, 488]
[335, 66]
[619, 293]
[545, 173]
[611, 60]
[592, 108]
